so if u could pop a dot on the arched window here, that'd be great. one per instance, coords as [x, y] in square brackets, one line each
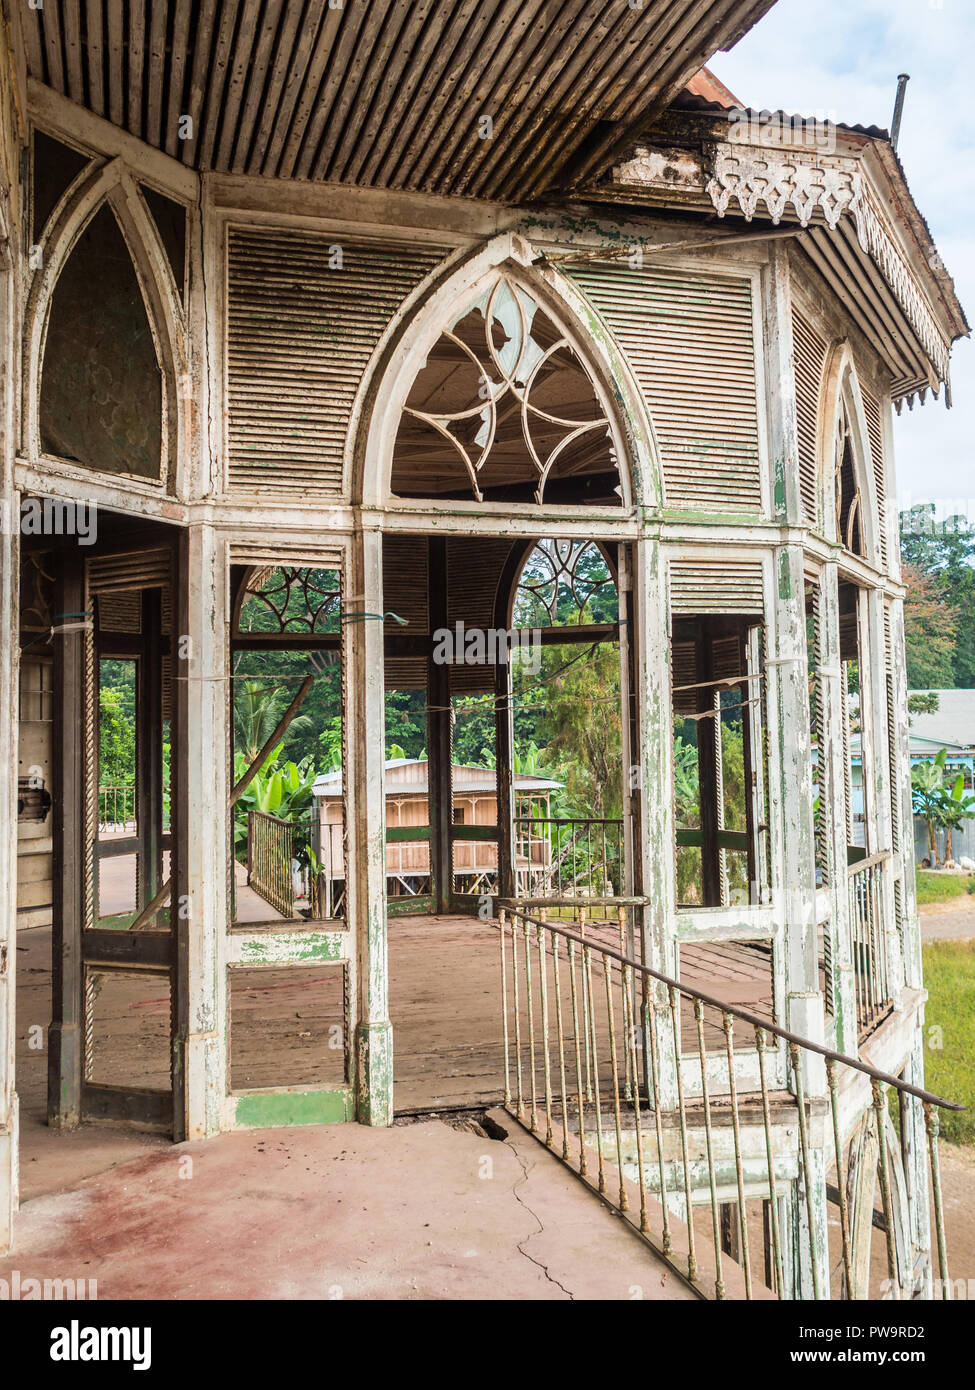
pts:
[101, 392]
[847, 494]
[504, 410]
[565, 583]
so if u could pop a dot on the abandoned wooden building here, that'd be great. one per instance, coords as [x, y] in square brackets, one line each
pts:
[355, 325]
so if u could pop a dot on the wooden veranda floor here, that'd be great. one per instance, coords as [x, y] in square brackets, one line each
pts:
[444, 975]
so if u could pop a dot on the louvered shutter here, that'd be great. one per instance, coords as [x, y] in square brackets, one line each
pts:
[690, 341]
[300, 332]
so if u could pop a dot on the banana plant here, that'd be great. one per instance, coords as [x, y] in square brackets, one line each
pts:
[927, 788]
[956, 807]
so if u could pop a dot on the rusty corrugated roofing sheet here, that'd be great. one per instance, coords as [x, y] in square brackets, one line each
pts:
[386, 93]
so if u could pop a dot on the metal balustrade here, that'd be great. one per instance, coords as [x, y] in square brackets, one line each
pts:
[269, 860]
[868, 922]
[116, 807]
[559, 855]
[708, 1156]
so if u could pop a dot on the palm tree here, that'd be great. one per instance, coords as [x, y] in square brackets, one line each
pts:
[257, 709]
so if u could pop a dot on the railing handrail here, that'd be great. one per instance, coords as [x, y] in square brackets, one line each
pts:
[874, 860]
[266, 815]
[829, 1053]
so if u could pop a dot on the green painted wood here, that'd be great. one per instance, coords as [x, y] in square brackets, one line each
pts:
[265, 1109]
[474, 832]
[402, 834]
[402, 907]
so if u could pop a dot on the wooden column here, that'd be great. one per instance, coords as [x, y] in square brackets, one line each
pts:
[9, 672]
[365, 741]
[439, 794]
[66, 1034]
[651, 779]
[832, 774]
[708, 734]
[149, 741]
[201, 839]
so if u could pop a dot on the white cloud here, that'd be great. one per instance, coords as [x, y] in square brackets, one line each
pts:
[841, 59]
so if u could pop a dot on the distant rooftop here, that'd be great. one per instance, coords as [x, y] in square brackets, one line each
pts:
[403, 781]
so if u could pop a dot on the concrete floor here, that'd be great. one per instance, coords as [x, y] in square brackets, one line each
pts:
[420, 1211]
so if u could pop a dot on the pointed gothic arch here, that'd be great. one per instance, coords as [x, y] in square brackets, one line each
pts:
[848, 489]
[108, 191]
[513, 327]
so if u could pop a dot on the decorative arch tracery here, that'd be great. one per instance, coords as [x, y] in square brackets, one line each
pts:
[848, 474]
[108, 188]
[503, 407]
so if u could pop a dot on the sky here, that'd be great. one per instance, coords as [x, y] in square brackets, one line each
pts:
[839, 59]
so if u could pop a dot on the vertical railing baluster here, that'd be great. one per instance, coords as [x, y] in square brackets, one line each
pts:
[515, 919]
[557, 973]
[543, 986]
[806, 1169]
[880, 1107]
[719, 1289]
[594, 1073]
[611, 1025]
[692, 1270]
[650, 1033]
[840, 1181]
[770, 1160]
[505, 1035]
[630, 1031]
[583, 1165]
[530, 1000]
[728, 1024]
[931, 1124]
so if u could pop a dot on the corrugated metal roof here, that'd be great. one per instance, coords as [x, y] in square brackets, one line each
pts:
[385, 93]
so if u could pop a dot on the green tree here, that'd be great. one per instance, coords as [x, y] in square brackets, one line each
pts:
[945, 552]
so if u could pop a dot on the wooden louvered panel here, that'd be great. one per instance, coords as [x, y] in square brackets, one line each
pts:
[685, 671]
[405, 673]
[875, 434]
[144, 569]
[473, 572]
[120, 612]
[300, 333]
[716, 586]
[406, 583]
[726, 658]
[810, 361]
[690, 341]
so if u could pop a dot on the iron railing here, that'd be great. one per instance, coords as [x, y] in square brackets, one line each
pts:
[715, 1155]
[116, 807]
[269, 860]
[868, 918]
[556, 856]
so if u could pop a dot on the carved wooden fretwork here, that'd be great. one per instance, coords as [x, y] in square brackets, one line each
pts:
[752, 177]
[290, 599]
[505, 397]
[563, 582]
[755, 179]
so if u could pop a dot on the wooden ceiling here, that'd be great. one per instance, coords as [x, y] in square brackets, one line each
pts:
[384, 93]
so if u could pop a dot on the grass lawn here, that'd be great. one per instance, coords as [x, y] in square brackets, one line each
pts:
[940, 888]
[949, 1033]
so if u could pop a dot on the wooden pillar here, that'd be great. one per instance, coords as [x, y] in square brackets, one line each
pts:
[149, 741]
[366, 808]
[66, 1033]
[439, 790]
[708, 734]
[9, 664]
[651, 780]
[201, 839]
[833, 778]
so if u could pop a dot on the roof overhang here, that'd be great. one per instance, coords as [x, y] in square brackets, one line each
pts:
[498, 99]
[840, 190]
